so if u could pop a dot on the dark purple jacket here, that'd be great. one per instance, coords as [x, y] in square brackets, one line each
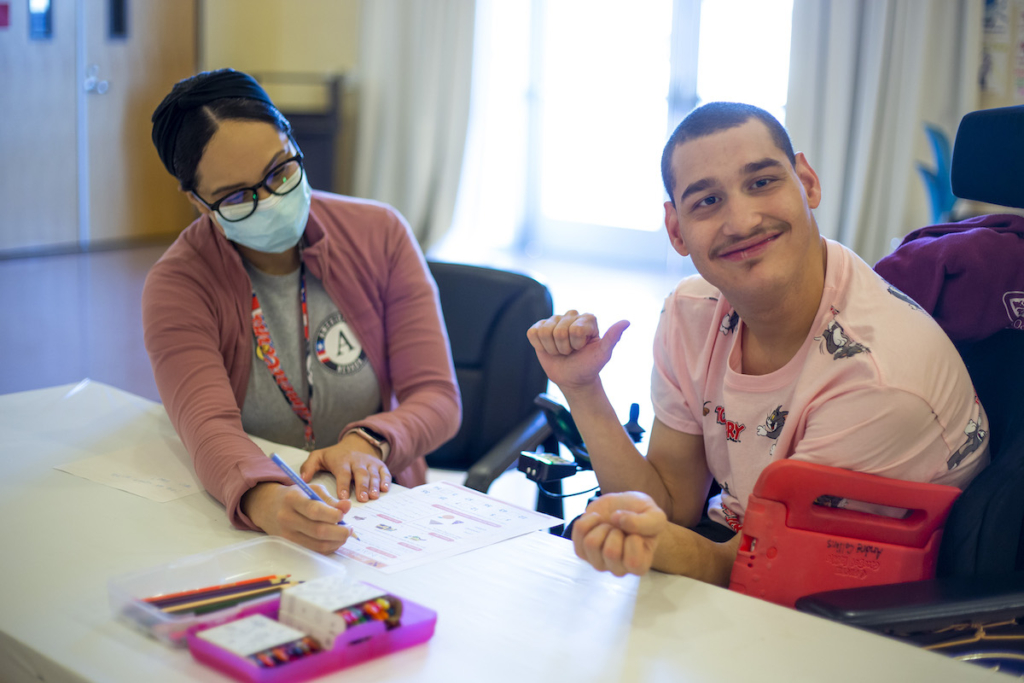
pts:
[968, 275]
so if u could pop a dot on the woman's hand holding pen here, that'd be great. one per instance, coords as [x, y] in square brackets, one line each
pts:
[355, 464]
[288, 512]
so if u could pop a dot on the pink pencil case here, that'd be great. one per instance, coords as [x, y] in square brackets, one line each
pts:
[356, 645]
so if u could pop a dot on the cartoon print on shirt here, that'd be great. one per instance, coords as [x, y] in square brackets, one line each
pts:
[975, 435]
[706, 409]
[731, 518]
[835, 340]
[729, 322]
[732, 429]
[772, 426]
[903, 297]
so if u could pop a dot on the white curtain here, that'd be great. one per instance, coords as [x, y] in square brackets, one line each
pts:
[414, 83]
[865, 76]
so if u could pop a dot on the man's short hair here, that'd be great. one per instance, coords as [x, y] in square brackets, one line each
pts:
[711, 118]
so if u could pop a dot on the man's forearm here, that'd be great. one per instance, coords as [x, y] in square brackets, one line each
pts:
[617, 463]
[683, 551]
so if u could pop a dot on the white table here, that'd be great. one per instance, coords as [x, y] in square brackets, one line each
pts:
[523, 610]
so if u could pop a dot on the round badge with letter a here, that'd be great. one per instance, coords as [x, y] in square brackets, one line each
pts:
[337, 348]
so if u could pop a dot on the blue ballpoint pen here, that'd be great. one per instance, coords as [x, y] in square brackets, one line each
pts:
[298, 481]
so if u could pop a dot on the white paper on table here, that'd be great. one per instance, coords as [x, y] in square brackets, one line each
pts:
[161, 469]
[405, 528]
[409, 527]
[158, 470]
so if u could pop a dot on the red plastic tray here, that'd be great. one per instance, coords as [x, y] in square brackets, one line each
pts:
[791, 547]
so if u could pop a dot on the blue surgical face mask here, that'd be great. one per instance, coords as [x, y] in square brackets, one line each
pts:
[277, 224]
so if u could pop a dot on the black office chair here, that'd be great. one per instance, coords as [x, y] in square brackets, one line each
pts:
[981, 559]
[487, 313]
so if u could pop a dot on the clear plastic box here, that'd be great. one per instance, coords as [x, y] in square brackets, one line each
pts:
[238, 562]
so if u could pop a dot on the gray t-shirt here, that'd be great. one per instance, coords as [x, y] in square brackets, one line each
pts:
[345, 387]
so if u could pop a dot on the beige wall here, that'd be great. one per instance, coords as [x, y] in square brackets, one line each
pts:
[315, 36]
[264, 37]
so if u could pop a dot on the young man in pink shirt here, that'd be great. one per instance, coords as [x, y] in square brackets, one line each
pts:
[787, 345]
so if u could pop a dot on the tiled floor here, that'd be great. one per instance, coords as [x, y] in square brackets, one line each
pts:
[65, 318]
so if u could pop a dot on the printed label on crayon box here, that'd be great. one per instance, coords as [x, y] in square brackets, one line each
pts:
[250, 635]
[333, 593]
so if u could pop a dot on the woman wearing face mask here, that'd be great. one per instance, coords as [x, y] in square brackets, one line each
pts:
[295, 315]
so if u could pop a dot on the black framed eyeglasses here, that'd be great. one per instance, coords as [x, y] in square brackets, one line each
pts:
[241, 204]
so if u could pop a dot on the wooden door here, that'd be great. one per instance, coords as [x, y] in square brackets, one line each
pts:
[130, 193]
[38, 140]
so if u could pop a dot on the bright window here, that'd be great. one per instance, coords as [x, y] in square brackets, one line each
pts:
[573, 101]
[603, 111]
[744, 53]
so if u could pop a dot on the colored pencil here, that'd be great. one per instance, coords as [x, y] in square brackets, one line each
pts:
[253, 593]
[196, 591]
[230, 602]
[221, 593]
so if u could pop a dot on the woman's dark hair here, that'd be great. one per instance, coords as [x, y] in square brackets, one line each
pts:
[199, 125]
[189, 116]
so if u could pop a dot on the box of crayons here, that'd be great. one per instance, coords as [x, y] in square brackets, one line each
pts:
[215, 587]
[317, 627]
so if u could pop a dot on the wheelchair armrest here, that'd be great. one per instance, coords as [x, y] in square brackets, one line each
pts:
[525, 436]
[933, 604]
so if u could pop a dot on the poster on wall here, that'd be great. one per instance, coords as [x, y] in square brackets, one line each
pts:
[995, 62]
[997, 22]
[1018, 67]
[993, 74]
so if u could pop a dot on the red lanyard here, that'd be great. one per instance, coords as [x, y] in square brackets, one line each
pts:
[265, 350]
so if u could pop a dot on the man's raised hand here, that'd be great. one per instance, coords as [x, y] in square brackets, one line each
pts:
[571, 349]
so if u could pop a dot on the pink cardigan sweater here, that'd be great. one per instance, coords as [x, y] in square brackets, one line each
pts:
[197, 324]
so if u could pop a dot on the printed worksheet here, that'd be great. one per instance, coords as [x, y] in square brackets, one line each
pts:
[409, 527]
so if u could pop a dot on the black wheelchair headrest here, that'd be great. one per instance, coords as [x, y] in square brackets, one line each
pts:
[988, 157]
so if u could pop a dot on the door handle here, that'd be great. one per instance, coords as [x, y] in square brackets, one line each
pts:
[92, 82]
